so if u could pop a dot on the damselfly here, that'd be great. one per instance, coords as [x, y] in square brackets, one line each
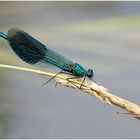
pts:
[32, 51]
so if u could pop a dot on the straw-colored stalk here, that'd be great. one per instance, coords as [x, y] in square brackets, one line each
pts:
[89, 87]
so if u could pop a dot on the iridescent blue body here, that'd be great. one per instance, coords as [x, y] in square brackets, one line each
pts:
[4, 35]
[33, 52]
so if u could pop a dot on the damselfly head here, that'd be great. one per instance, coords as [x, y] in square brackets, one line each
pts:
[90, 73]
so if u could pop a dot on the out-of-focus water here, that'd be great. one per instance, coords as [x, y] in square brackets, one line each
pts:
[104, 36]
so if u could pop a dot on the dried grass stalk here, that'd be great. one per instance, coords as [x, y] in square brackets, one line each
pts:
[91, 88]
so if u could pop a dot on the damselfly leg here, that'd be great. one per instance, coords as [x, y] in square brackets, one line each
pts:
[52, 78]
[82, 82]
[55, 77]
[94, 81]
[68, 79]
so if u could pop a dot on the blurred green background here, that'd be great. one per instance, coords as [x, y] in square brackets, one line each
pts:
[104, 36]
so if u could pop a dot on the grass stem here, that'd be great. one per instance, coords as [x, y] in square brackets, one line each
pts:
[90, 88]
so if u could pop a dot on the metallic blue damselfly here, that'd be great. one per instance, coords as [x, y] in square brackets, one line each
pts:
[32, 51]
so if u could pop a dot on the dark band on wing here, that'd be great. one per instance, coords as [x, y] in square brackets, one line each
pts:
[26, 47]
